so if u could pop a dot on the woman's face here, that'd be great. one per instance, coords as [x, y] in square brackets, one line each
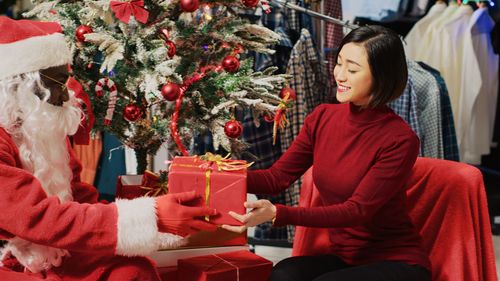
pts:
[353, 75]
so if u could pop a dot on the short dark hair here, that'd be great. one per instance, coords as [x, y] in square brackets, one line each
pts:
[386, 58]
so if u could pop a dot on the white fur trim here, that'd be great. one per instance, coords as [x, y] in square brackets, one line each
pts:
[171, 241]
[36, 258]
[138, 230]
[34, 53]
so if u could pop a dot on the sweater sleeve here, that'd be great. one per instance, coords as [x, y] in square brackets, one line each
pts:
[126, 228]
[291, 165]
[386, 177]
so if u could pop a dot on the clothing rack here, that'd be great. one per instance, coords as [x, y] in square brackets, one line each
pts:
[287, 4]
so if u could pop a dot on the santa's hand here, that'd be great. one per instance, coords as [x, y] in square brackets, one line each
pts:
[177, 218]
[262, 211]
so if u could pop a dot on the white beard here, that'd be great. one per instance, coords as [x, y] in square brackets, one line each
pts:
[42, 142]
[43, 148]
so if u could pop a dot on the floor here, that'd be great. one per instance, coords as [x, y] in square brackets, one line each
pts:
[276, 254]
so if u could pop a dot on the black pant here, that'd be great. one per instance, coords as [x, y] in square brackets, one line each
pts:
[332, 268]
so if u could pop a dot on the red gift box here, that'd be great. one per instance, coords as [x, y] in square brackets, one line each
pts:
[225, 190]
[232, 266]
[133, 186]
[168, 273]
[129, 187]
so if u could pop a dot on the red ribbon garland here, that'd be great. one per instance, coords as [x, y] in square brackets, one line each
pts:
[123, 10]
[197, 76]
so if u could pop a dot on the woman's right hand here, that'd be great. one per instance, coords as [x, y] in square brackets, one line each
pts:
[177, 218]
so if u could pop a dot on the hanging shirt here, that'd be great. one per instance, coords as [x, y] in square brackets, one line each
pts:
[428, 110]
[309, 82]
[479, 89]
[406, 107]
[333, 33]
[414, 43]
[450, 145]
[452, 33]
[432, 41]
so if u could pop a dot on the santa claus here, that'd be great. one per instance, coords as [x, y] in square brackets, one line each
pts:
[54, 225]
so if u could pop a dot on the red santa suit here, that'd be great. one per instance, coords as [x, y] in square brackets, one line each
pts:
[60, 231]
[93, 233]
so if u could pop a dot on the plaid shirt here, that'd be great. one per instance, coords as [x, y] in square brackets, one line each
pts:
[310, 83]
[450, 145]
[406, 107]
[428, 110]
[262, 151]
[334, 32]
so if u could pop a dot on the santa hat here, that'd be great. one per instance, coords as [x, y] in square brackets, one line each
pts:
[27, 46]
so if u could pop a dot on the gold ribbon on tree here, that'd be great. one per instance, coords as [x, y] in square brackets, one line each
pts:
[280, 117]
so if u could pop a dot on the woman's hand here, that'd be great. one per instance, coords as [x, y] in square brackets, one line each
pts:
[262, 211]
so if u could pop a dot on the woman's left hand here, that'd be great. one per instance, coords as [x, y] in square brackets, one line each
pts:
[262, 211]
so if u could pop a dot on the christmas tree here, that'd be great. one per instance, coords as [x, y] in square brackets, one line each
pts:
[160, 70]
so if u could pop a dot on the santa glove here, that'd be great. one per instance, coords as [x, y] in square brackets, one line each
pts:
[174, 216]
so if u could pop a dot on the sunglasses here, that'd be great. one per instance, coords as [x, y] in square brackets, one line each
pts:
[64, 87]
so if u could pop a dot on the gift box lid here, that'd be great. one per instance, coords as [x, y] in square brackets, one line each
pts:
[165, 258]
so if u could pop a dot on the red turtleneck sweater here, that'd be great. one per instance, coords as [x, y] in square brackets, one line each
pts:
[362, 159]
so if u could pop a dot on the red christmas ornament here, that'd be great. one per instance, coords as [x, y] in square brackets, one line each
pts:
[288, 91]
[132, 112]
[170, 91]
[190, 5]
[81, 31]
[233, 129]
[251, 3]
[171, 49]
[231, 64]
[268, 118]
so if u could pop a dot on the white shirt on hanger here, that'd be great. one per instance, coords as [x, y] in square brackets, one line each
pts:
[414, 39]
[479, 85]
[431, 40]
[451, 52]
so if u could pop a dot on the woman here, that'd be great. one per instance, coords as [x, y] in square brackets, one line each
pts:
[362, 154]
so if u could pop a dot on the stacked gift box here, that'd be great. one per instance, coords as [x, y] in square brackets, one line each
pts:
[219, 255]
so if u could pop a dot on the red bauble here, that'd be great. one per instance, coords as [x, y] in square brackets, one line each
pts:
[81, 31]
[132, 112]
[268, 118]
[251, 3]
[290, 92]
[231, 64]
[233, 129]
[190, 5]
[171, 49]
[170, 91]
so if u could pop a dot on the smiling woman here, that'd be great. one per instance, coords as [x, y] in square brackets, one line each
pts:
[362, 154]
[371, 66]
[353, 75]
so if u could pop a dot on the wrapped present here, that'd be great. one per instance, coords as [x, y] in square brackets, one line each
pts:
[232, 266]
[222, 181]
[168, 273]
[168, 258]
[149, 184]
[129, 187]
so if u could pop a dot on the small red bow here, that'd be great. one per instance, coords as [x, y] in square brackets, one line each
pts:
[123, 10]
